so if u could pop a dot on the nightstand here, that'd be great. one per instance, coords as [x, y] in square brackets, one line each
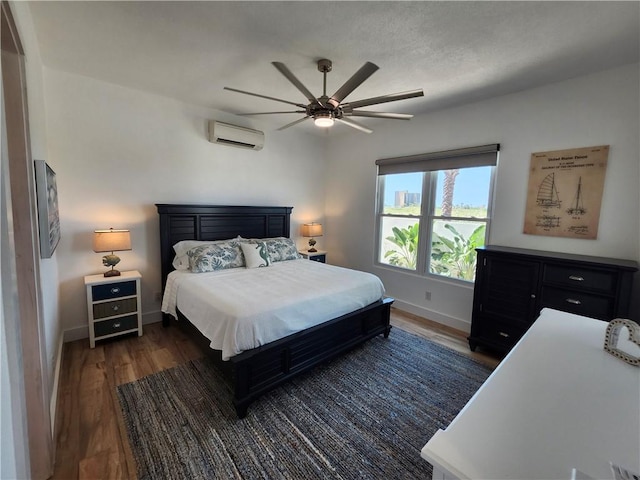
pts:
[113, 304]
[319, 256]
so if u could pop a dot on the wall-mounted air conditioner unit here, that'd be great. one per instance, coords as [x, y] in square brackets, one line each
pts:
[235, 136]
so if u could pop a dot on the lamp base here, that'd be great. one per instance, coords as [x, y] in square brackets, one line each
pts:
[312, 250]
[112, 273]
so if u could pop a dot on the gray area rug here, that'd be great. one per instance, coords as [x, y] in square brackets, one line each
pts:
[365, 415]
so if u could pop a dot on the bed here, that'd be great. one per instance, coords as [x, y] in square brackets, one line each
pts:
[254, 371]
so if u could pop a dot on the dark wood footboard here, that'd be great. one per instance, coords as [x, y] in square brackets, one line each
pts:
[261, 369]
[255, 372]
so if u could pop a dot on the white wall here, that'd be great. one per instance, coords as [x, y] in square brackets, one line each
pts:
[50, 310]
[599, 109]
[15, 457]
[48, 268]
[37, 131]
[118, 151]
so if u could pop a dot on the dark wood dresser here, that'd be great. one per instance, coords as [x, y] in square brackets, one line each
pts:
[513, 284]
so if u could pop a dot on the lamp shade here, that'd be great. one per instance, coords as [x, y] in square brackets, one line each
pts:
[312, 230]
[111, 240]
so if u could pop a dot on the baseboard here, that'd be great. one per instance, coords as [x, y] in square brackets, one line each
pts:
[151, 317]
[78, 333]
[53, 402]
[457, 323]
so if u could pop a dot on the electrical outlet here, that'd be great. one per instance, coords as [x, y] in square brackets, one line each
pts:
[427, 295]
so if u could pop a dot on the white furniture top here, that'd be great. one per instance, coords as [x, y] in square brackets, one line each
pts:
[558, 401]
[100, 278]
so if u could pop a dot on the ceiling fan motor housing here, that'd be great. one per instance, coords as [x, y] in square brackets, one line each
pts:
[323, 108]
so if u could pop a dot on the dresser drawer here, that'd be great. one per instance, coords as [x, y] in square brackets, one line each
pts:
[580, 277]
[585, 304]
[116, 307]
[113, 290]
[502, 334]
[115, 325]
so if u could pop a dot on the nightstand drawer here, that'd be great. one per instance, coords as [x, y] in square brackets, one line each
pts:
[113, 290]
[585, 304]
[582, 278]
[318, 258]
[117, 307]
[113, 305]
[115, 325]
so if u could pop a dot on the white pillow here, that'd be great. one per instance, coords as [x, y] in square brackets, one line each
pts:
[255, 254]
[180, 263]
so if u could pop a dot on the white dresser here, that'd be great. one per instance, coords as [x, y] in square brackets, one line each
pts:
[558, 401]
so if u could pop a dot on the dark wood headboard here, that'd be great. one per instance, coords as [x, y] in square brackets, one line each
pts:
[216, 222]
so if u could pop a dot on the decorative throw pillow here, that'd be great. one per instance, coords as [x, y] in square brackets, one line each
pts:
[279, 248]
[255, 254]
[211, 257]
[181, 260]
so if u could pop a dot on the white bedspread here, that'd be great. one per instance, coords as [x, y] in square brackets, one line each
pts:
[240, 309]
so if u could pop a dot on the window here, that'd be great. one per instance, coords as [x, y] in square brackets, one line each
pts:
[434, 210]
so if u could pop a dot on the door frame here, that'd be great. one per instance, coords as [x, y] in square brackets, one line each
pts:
[25, 246]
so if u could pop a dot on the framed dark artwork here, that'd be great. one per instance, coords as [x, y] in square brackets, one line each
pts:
[48, 217]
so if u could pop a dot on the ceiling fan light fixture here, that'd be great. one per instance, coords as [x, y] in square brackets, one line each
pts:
[323, 120]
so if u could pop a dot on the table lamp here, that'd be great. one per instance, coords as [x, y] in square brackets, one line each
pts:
[111, 241]
[312, 230]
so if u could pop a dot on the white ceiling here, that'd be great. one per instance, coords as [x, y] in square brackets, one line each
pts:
[457, 52]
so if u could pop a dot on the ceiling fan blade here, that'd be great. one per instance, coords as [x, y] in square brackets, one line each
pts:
[270, 113]
[264, 96]
[396, 116]
[356, 125]
[298, 84]
[293, 123]
[393, 97]
[354, 82]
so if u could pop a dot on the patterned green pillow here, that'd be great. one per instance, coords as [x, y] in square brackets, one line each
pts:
[211, 257]
[280, 248]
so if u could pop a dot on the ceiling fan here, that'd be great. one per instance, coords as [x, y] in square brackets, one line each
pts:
[325, 110]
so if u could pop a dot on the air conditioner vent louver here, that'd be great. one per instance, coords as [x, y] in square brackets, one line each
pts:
[235, 136]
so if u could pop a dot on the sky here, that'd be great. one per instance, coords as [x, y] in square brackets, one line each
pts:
[471, 187]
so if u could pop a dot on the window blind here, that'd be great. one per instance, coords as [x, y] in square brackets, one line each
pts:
[446, 160]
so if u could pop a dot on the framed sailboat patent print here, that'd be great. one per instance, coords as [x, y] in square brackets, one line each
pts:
[565, 192]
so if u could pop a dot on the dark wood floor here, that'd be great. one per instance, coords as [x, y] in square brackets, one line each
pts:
[90, 443]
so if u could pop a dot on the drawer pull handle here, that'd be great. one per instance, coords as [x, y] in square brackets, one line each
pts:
[502, 334]
[577, 278]
[573, 301]
[115, 290]
[115, 308]
[117, 325]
